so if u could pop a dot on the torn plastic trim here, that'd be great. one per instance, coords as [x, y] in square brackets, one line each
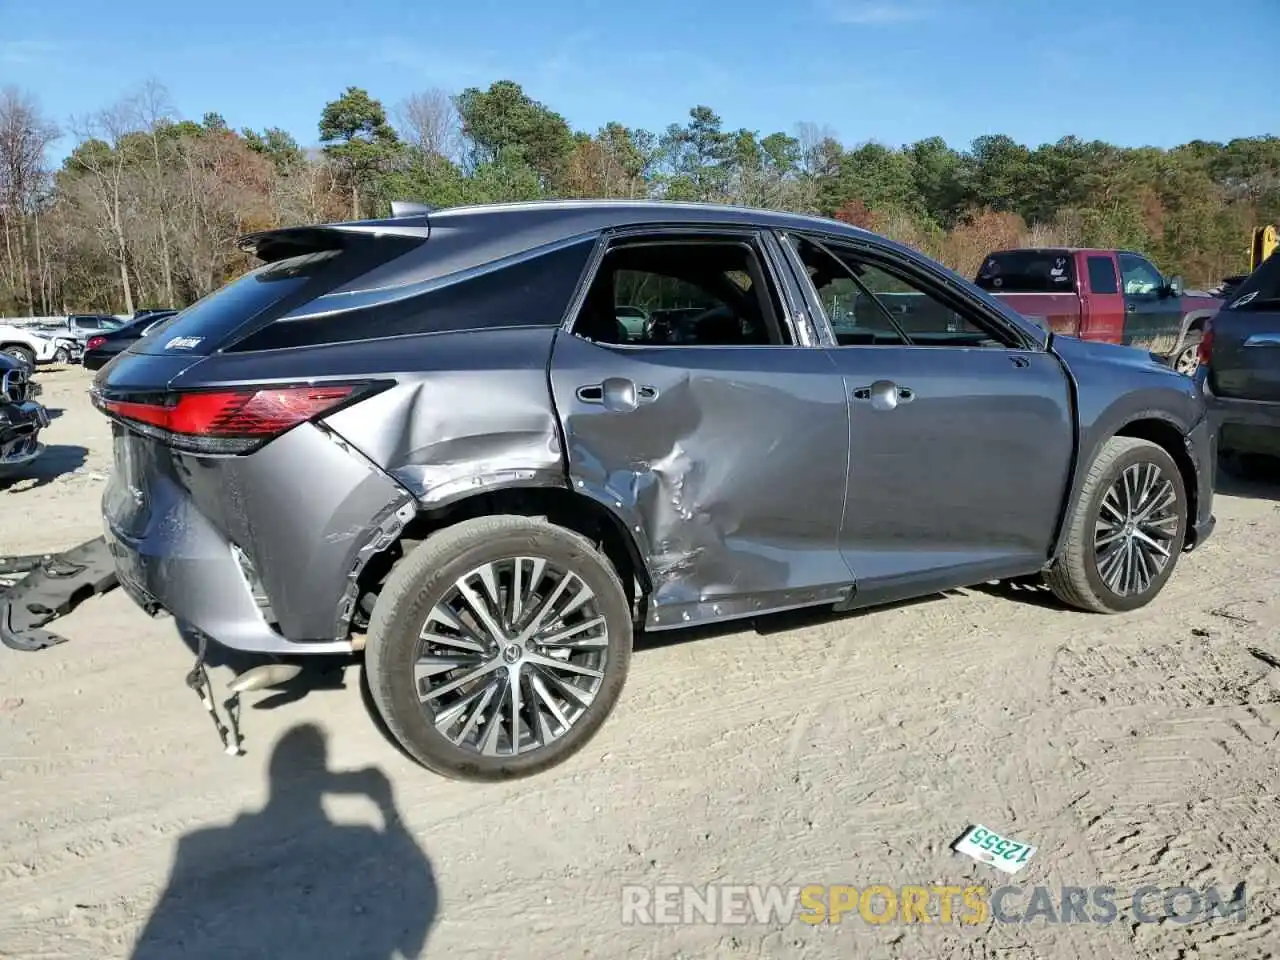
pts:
[387, 530]
[54, 587]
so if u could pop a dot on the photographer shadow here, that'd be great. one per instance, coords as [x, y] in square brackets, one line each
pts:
[286, 881]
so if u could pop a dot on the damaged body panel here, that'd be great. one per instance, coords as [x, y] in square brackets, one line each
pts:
[729, 470]
[471, 417]
[239, 557]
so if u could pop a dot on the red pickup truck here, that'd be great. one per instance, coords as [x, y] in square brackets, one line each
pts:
[1111, 295]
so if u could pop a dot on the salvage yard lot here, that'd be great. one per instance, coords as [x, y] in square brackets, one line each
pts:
[1130, 750]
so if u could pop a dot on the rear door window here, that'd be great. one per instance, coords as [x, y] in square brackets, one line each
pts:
[1102, 276]
[1028, 271]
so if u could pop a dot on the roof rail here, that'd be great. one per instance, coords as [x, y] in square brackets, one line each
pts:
[410, 208]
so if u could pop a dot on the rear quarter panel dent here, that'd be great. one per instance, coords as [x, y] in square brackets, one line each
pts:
[471, 416]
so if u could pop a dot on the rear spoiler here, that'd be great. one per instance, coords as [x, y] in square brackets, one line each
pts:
[407, 219]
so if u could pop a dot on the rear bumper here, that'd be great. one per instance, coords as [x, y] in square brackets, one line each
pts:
[259, 553]
[1248, 426]
[203, 588]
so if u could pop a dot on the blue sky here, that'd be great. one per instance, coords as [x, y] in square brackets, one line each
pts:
[1137, 72]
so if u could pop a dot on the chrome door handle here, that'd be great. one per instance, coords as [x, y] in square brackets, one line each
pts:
[617, 393]
[884, 394]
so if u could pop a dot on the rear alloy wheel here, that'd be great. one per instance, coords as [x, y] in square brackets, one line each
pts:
[498, 647]
[1126, 530]
[1187, 362]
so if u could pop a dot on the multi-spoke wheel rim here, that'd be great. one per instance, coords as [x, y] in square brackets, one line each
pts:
[511, 657]
[1188, 360]
[1137, 525]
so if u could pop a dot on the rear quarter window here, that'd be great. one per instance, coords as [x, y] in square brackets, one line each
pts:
[529, 291]
[209, 322]
[1028, 271]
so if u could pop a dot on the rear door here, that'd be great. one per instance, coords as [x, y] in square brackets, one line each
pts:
[720, 442]
[1103, 313]
[961, 436]
[1153, 319]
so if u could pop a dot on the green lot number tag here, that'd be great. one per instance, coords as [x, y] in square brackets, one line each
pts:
[987, 846]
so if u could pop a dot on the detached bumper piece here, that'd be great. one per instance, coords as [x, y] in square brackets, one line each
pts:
[20, 426]
[55, 586]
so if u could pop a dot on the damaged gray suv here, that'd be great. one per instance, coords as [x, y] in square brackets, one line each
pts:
[433, 438]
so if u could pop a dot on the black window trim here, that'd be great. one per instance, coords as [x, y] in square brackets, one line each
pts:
[684, 234]
[935, 284]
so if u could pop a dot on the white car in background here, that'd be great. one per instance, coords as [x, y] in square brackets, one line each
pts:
[27, 346]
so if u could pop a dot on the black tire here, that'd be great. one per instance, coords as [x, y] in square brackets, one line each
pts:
[1074, 577]
[62, 355]
[1187, 360]
[22, 354]
[425, 578]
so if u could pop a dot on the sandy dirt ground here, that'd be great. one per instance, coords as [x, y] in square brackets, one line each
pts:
[1132, 750]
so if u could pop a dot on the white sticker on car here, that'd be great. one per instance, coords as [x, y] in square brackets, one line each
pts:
[183, 343]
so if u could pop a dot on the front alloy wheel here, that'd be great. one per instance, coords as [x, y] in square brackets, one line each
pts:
[1125, 530]
[498, 647]
[1135, 530]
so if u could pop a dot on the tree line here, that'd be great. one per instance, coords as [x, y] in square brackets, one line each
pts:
[145, 208]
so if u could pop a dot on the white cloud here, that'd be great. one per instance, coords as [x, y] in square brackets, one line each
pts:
[873, 12]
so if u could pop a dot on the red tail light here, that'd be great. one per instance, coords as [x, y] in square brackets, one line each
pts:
[229, 421]
[1205, 350]
[94, 343]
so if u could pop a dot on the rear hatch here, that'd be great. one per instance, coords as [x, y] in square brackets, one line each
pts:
[1244, 354]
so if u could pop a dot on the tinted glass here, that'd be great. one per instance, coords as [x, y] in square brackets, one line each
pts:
[1028, 271]
[532, 292]
[240, 306]
[1102, 275]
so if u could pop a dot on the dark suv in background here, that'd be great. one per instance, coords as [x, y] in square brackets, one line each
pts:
[1241, 373]
[433, 438]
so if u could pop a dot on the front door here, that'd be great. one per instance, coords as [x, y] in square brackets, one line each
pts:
[960, 444]
[717, 440]
[1152, 318]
